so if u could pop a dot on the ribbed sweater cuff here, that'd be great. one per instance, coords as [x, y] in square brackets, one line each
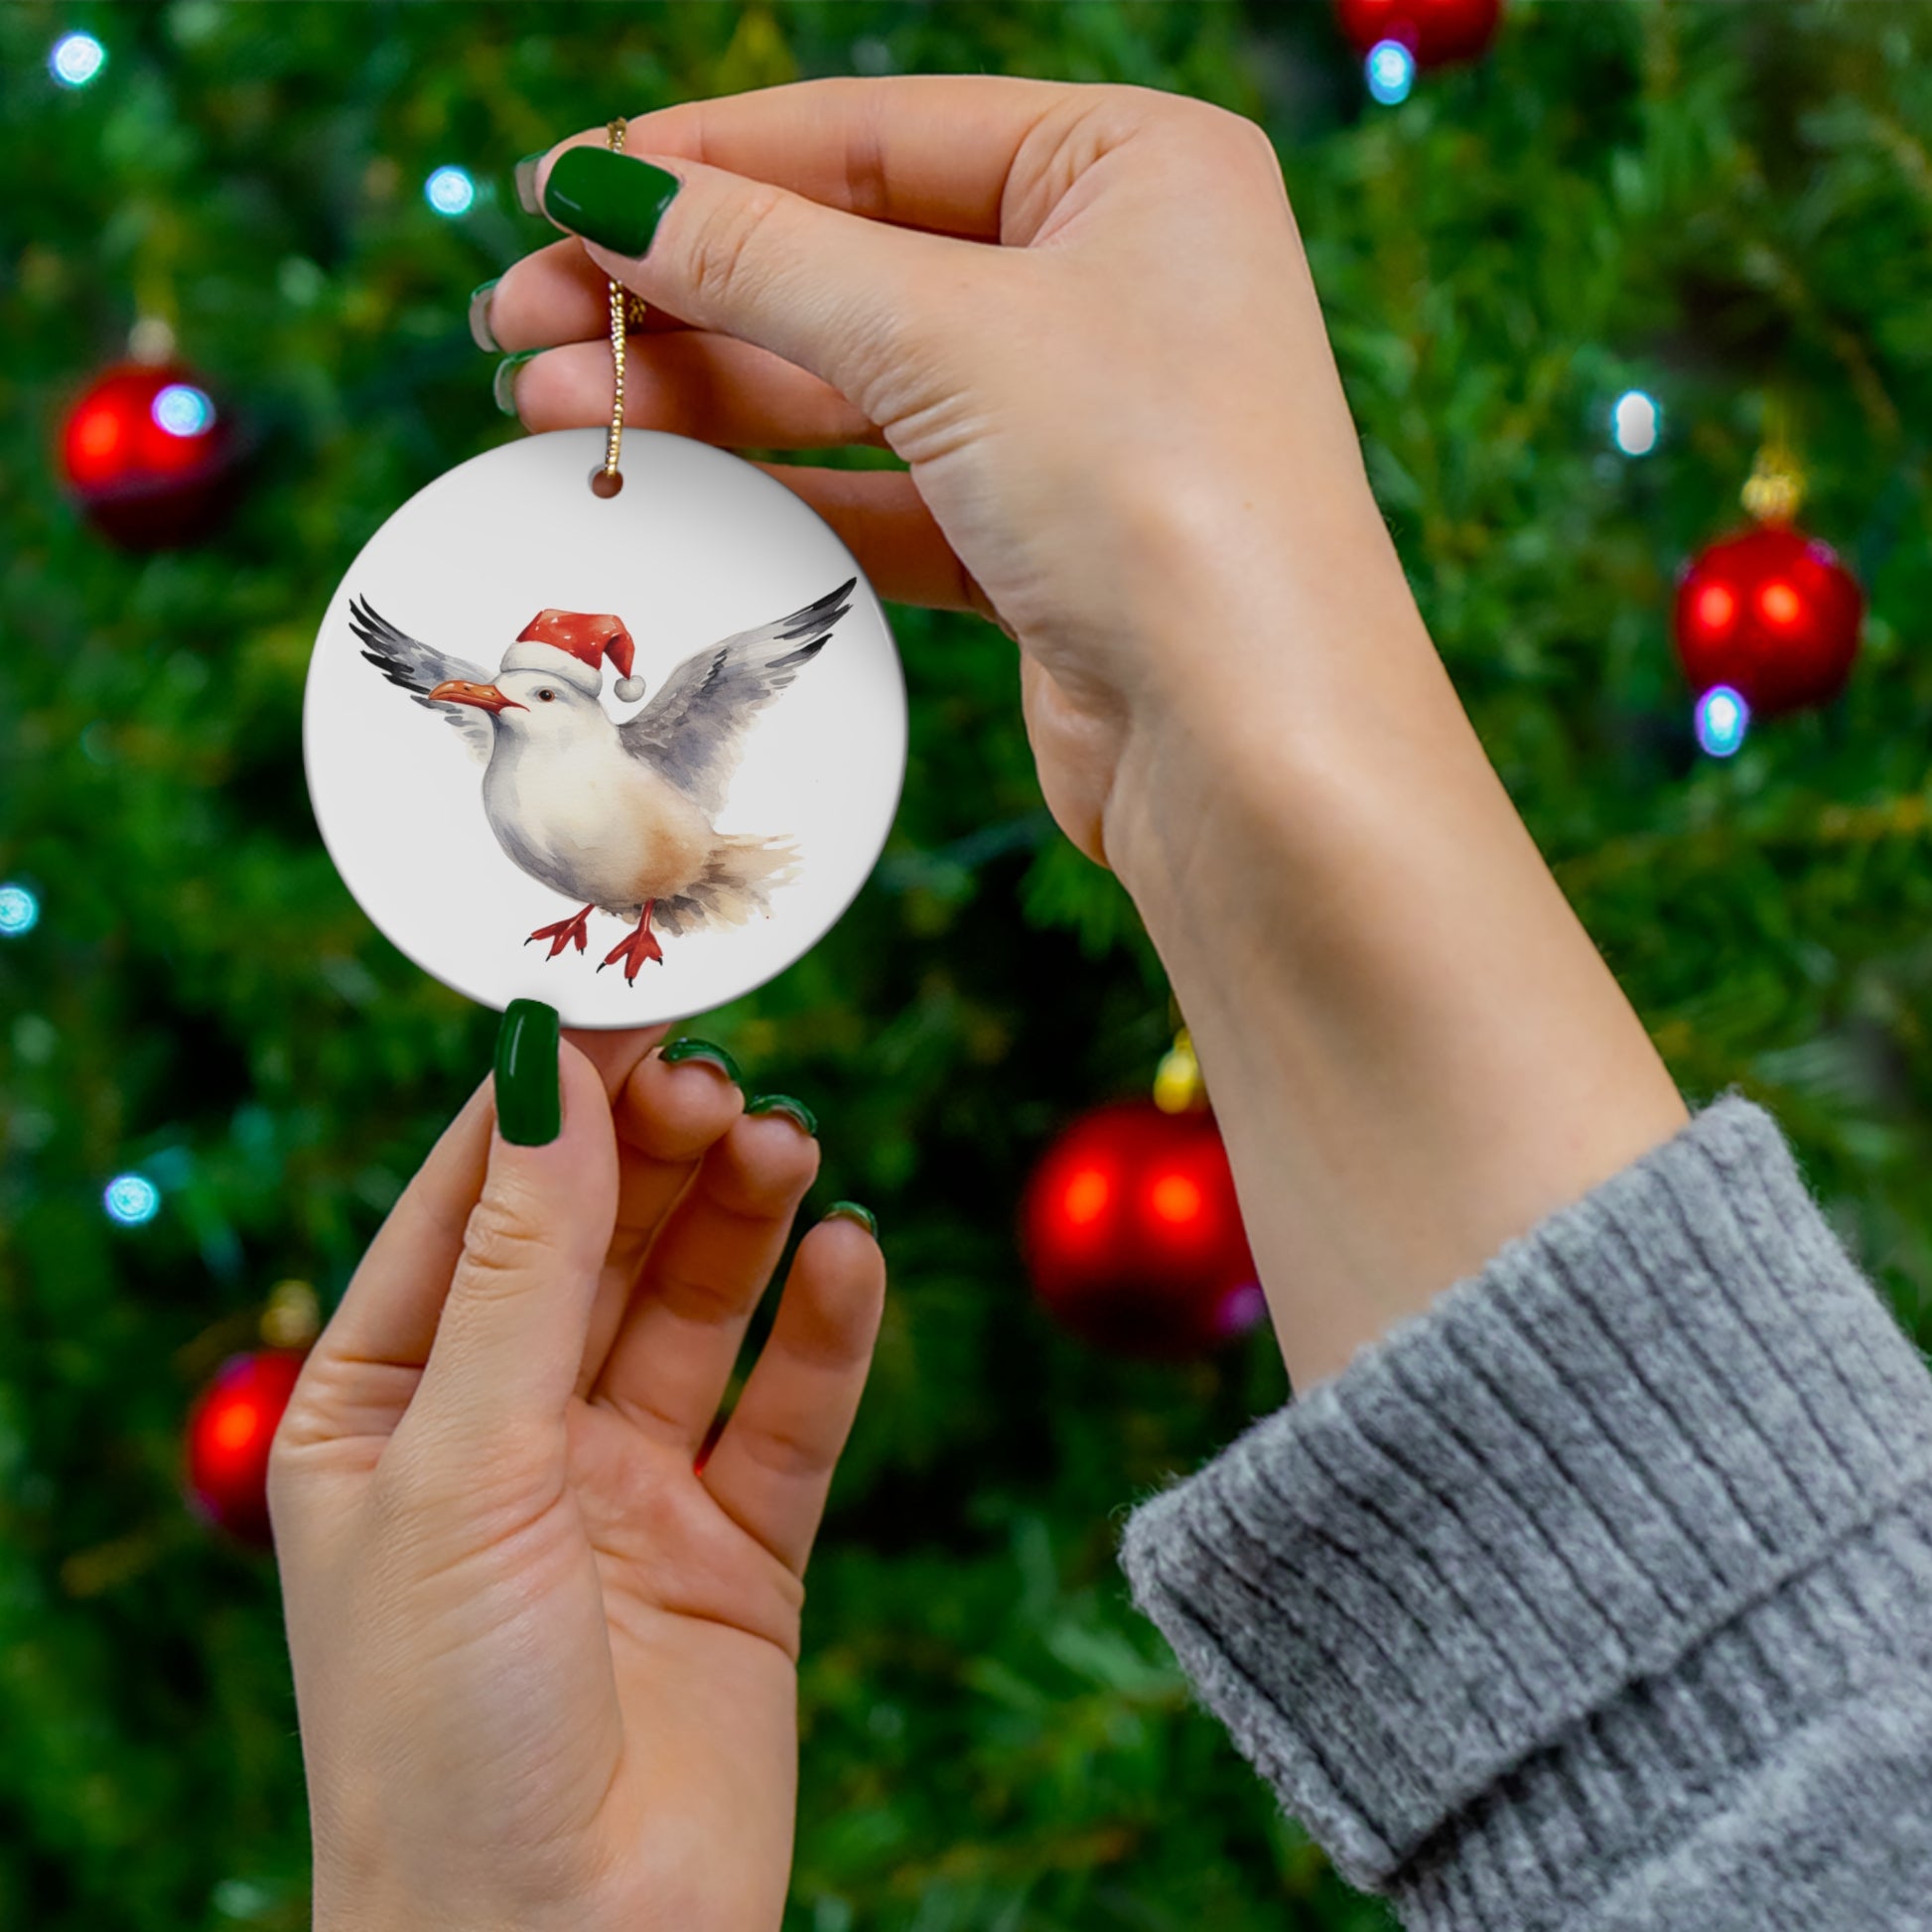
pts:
[1538, 1520]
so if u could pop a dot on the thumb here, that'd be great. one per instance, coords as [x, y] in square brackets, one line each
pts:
[510, 1340]
[832, 292]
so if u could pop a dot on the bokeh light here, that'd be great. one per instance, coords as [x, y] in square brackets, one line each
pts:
[1176, 1200]
[184, 410]
[20, 912]
[235, 1427]
[1087, 1195]
[1716, 606]
[449, 191]
[76, 59]
[1391, 71]
[1636, 422]
[1723, 717]
[132, 1199]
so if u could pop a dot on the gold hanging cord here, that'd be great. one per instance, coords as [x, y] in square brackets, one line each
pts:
[627, 311]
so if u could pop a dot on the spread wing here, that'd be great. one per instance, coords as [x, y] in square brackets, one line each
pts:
[693, 730]
[419, 670]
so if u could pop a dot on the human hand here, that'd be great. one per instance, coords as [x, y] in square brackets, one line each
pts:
[1124, 408]
[1127, 439]
[545, 1668]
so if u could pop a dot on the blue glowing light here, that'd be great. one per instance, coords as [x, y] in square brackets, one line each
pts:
[1391, 71]
[1723, 717]
[132, 1199]
[20, 912]
[1636, 422]
[449, 191]
[76, 59]
[184, 410]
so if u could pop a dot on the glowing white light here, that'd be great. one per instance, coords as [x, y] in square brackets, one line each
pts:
[76, 59]
[449, 191]
[132, 1199]
[20, 912]
[1391, 71]
[1723, 717]
[183, 410]
[1635, 423]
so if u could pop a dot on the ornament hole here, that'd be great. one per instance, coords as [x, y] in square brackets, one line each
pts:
[605, 482]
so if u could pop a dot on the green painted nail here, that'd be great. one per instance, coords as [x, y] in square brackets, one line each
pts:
[702, 1050]
[608, 199]
[850, 1211]
[480, 331]
[529, 1100]
[526, 177]
[502, 385]
[783, 1103]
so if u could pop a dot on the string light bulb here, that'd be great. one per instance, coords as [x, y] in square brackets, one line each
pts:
[132, 1200]
[76, 60]
[1389, 70]
[1636, 422]
[1722, 719]
[451, 191]
[20, 911]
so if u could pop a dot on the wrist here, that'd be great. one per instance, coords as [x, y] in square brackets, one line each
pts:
[1284, 674]
[1414, 1050]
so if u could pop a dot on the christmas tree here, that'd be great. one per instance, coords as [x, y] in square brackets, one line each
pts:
[1718, 210]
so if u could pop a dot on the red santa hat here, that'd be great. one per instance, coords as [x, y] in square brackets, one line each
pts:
[573, 645]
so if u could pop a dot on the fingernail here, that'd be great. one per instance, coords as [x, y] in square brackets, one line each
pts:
[702, 1050]
[782, 1103]
[608, 199]
[529, 1100]
[480, 331]
[850, 1211]
[502, 385]
[526, 183]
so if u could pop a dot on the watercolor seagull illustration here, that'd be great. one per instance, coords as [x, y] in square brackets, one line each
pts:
[618, 816]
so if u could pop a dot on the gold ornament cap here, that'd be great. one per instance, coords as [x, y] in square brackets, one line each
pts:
[1177, 1085]
[293, 1316]
[1776, 489]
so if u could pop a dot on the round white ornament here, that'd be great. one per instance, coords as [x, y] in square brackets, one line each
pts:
[632, 754]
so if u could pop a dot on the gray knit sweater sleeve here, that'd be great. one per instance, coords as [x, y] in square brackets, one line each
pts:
[1599, 1596]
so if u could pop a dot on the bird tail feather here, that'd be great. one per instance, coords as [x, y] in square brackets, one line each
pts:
[735, 884]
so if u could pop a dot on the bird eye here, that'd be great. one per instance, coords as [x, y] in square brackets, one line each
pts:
[546, 697]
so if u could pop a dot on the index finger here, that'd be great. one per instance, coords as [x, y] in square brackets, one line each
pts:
[925, 150]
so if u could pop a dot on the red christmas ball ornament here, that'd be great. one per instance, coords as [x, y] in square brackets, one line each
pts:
[1133, 1235]
[230, 1431]
[1436, 31]
[149, 456]
[1771, 613]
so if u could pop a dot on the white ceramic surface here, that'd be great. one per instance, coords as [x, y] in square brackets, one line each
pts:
[697, 547]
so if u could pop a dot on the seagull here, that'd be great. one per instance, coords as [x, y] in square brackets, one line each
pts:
[618, 816]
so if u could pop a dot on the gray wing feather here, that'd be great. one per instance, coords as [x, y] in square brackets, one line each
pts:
[693, 730]
[419, 670]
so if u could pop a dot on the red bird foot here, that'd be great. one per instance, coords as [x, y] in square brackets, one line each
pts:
[563, 932]
[635, 947]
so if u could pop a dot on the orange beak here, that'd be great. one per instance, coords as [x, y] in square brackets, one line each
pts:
[486, 697]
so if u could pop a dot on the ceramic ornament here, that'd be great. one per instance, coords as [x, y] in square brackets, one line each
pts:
[632, 754]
